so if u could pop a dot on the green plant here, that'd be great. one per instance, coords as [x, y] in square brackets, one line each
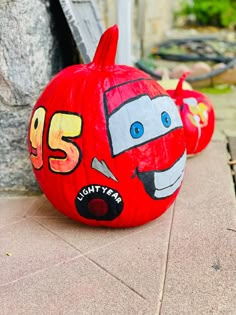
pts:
[210, 12]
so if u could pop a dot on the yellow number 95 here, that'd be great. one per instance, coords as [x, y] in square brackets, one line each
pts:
[63, 127]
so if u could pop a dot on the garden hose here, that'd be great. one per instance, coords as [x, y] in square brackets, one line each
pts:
[201, 45]
[198, 56]
[213, 73]
[144, 68]
[209, 75]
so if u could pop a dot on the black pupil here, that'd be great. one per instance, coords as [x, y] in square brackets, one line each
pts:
[36, 123]
[136, 130]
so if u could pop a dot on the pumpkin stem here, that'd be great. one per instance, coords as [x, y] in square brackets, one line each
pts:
[106, 50]
[178, 94]
[179, 88]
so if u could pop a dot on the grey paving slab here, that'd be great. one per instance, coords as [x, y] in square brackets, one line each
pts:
[201, 268]
[232, 149]
[87, 239]
[78, 287]
[225, 109]
[139, 261]
[26, 247]
[226, 128]
[232, 146]
[13, 209]
[136, 257]
[43, 208]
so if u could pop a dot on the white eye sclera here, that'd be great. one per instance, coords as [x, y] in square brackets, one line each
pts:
[141, 121]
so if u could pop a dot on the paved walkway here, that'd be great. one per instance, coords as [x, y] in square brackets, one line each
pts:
[182, 263]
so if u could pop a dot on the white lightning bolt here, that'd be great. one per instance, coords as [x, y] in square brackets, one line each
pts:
[103, 168]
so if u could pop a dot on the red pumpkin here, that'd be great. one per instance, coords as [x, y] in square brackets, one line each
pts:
[197, 114]
[106, 142]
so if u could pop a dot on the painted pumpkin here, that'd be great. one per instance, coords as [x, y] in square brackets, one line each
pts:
[106, 142]
[197, 114]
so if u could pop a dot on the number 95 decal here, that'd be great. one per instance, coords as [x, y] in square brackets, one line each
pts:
[63, 128]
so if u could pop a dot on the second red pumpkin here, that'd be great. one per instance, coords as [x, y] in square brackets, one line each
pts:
[198, 117]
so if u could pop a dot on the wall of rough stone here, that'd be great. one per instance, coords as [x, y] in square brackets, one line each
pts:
[29, 56]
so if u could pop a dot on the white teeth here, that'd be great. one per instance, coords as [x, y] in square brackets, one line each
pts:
[167, 182]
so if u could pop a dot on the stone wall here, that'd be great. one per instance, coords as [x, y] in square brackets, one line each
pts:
[29, 56]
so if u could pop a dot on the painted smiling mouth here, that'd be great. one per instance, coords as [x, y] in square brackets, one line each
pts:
[162, 184]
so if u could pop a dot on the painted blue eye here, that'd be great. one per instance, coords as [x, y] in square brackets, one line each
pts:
[166, 120]
[136, 130]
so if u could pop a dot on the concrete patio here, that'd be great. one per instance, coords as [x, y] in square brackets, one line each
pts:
[182, 263]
